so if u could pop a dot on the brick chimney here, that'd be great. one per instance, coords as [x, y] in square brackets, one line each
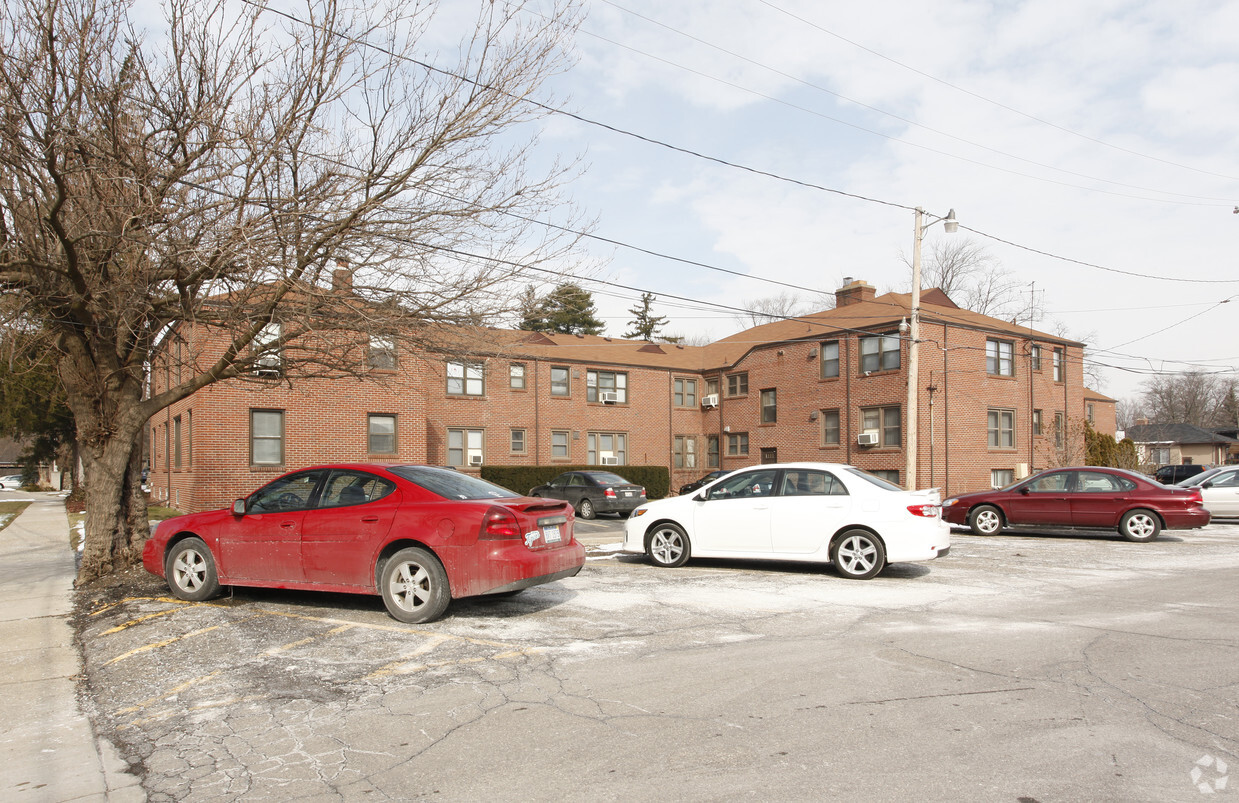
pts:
[1142, 422]
[854, 293]
[342, 277]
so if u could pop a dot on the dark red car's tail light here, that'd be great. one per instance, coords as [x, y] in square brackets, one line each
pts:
[500, 524]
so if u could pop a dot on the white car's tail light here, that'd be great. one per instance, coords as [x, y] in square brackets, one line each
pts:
[926, 511]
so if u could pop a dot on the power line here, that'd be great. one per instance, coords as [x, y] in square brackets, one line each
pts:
[999, 104]
[706, 157]
[1221, 202]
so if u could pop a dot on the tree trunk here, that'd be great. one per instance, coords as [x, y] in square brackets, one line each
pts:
[116, 517]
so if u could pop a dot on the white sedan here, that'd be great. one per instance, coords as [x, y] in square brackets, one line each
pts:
[11, 483]
[1219, 490]
[794, 511]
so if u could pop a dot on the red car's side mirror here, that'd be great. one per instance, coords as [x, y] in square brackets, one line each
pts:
[238, 507]
[1024, 491]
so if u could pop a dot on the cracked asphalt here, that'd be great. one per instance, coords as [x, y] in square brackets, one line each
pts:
[1032, 667]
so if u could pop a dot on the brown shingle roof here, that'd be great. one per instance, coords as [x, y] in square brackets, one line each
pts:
[879, 315]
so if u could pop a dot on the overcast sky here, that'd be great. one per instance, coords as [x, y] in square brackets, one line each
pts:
[1098, 131]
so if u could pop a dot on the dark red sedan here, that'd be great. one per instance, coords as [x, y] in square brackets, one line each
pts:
[417, 536]
[1083, 496]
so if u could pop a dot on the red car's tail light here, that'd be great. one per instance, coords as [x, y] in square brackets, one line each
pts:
[927, 511]
[499, 524]
[609, 493]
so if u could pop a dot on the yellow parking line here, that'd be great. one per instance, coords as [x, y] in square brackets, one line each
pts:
[138, 621]
[166, 642]
[308, 639]
[404, 668]
[169, 693]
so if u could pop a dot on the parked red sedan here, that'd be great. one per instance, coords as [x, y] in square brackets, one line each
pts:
[1084, 496]
[416, 535]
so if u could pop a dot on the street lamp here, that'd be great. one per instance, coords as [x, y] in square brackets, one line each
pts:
[950, 225]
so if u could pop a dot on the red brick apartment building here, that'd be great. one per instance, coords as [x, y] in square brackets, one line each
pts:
[997, 401]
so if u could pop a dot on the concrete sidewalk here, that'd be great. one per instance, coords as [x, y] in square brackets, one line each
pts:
[48, 749]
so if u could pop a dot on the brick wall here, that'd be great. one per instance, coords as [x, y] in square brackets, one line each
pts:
[325, 420]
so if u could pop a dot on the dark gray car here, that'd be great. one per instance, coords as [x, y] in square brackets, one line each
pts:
[593, 492]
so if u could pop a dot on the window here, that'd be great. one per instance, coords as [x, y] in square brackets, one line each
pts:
[559, 444]
[346, 488]
[712, 449]
[769, 454]
[684, 452]
[611, 445]
[1034, 356]
[516, 376]
[189, 438]
[684, 392]
[830, 360]
[830, 427]
[737, 384]
[1159, 455]
[1002, 429]
[744, 484]
[464, 447]
[269, 358]
[711, 387]
[801, 482]
[999, 358]
[559, 381]
[884, 420]
[1058, 365]
[1059, 426]
[1001, 477]
[1036, 422]
[518, 441]
[891, 475]
[879, 353]
[381, 434]
[769, 406]
[1095, 482]
[1090, 410]
[266, 437]
[382, 353]
[464, 378]
[737, 444]
[176, 442]
[1050, 483]
[285, 494]
[599, 382]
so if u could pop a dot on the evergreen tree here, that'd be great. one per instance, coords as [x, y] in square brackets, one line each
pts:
[646, 325]
[567, 310]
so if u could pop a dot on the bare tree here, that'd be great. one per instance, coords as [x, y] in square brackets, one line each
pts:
[1190, 398]
[209, 178]
[1126, 413]
[771, 308]
[962, 268]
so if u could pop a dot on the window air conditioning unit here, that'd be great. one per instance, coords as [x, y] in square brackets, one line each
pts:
[267, 366]
[867, 439]
[1021, 471]
[710, 401]
[475, 459]
[610, 460]
[609, 397]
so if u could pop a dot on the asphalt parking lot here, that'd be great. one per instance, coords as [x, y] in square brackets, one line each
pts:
[1048, 666]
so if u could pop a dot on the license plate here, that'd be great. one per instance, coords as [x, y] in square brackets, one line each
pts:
[551, 534]
[627, 493]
